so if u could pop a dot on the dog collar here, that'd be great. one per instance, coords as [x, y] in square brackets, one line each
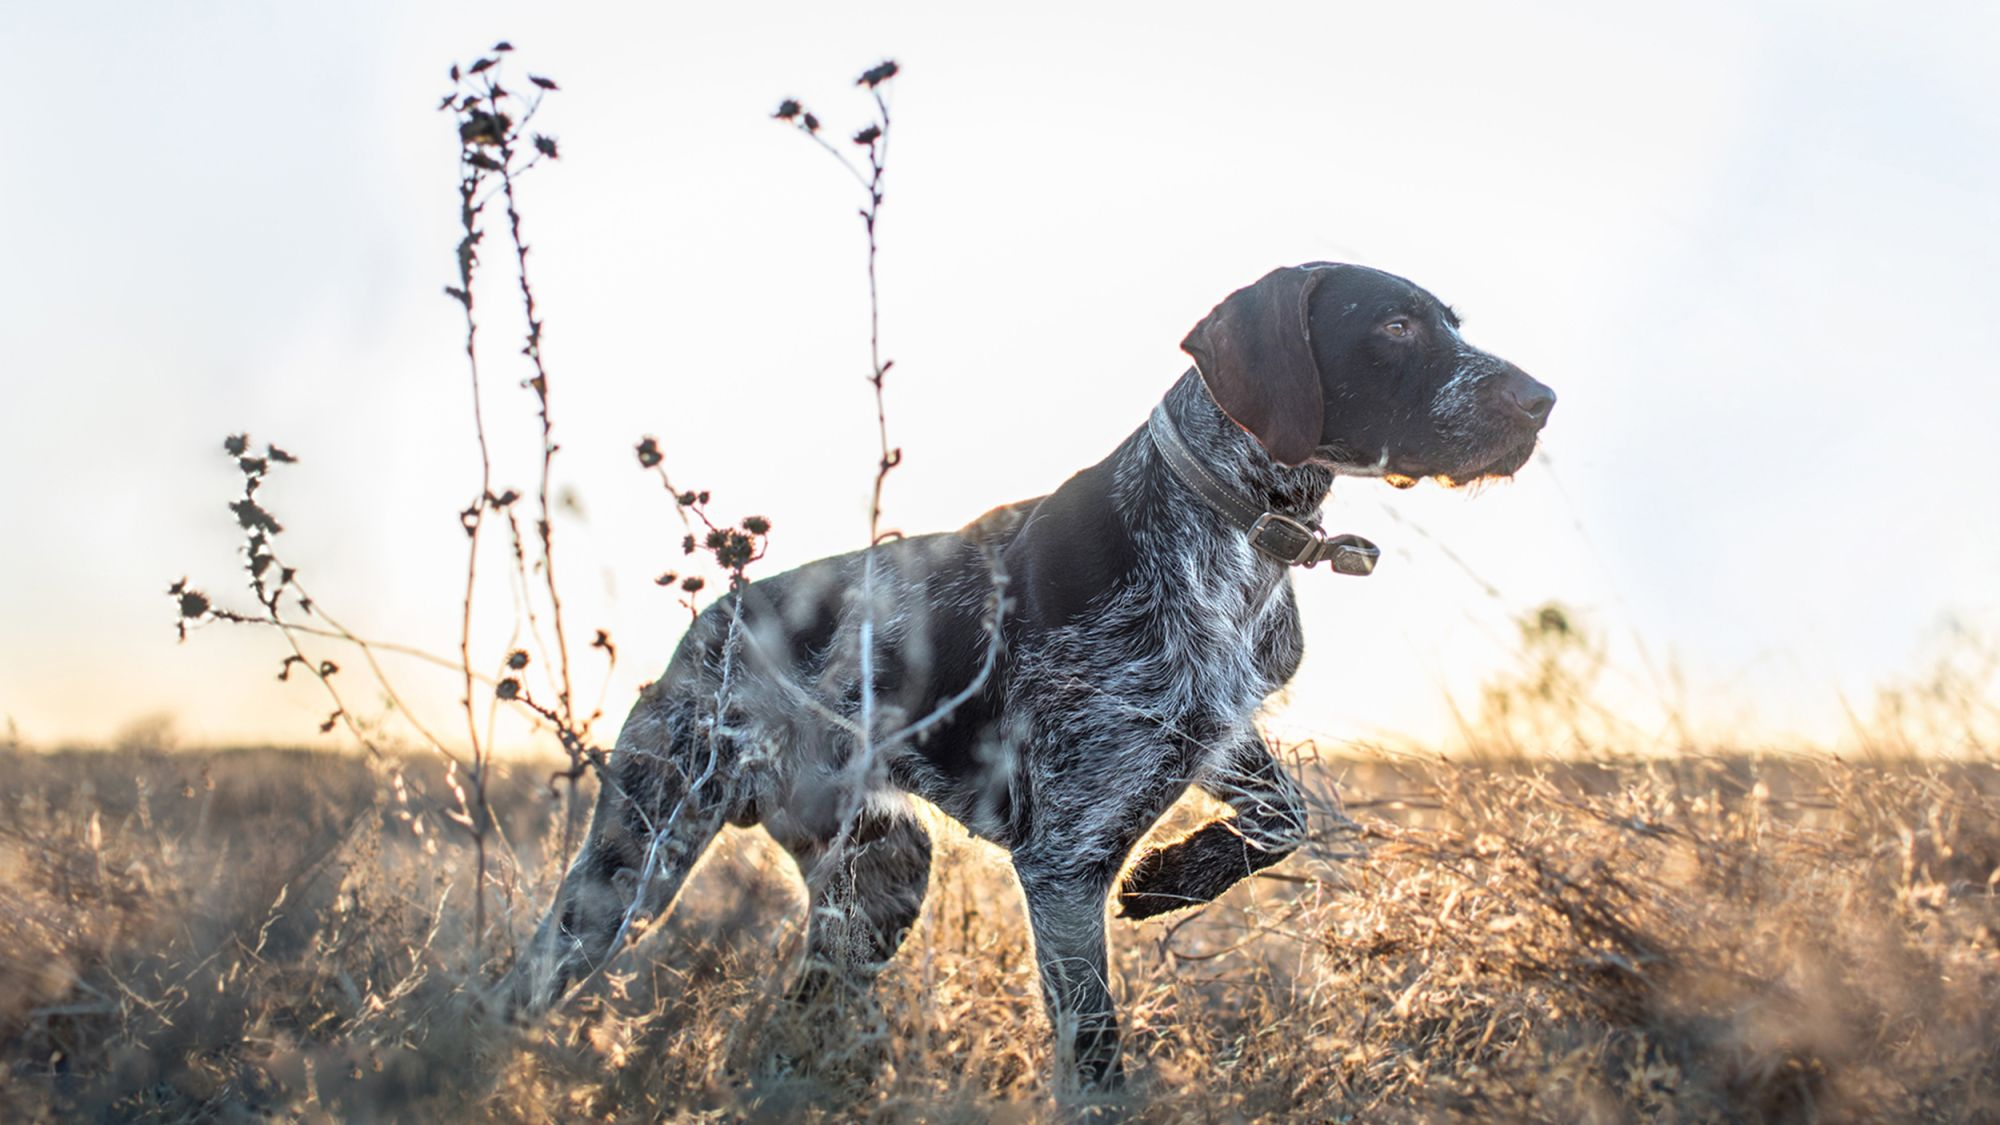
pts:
[1275, 535]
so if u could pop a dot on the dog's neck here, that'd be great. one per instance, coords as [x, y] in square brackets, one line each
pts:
[1237, 459]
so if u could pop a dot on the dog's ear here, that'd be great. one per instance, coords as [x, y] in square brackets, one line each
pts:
[1254, 352]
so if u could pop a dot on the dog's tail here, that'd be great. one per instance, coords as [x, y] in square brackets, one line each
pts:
[656, 813]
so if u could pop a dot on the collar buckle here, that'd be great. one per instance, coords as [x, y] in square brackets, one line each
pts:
[1285, 539]
[1293, 543]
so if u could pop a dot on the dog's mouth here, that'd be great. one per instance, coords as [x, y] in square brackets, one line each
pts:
[1453, 461]
[1472, 471]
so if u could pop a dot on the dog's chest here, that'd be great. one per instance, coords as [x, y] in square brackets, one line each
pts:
[1183, 650]
[1213, 621]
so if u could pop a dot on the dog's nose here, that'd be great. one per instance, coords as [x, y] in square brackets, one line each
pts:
[1529, 397]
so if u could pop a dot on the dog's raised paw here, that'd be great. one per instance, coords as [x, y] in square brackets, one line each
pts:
[1151, 887]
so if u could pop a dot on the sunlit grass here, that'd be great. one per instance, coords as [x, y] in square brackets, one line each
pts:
[187, 936]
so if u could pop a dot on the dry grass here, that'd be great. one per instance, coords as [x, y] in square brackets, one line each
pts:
[256, 934]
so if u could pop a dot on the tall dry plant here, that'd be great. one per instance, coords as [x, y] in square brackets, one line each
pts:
[497, 150]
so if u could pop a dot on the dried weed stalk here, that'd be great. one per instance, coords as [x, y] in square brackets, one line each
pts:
[496, 149]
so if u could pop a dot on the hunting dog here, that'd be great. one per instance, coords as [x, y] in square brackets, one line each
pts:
[1055, 674]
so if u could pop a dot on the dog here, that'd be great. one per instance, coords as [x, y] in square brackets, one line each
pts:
[1055, 674]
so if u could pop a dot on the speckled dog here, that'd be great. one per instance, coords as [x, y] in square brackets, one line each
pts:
[1147, 613]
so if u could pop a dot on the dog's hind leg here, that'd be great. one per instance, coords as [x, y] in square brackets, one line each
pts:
[659, 806]
[865, 896]
[1269, 824]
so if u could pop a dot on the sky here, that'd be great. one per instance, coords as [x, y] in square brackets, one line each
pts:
[1749, 245]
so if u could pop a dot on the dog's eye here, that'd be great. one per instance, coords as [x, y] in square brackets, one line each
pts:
[1399, 327]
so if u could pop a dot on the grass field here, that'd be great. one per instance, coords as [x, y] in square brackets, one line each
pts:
[266, 934]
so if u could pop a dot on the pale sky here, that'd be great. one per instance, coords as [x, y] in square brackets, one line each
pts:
[1751, 246]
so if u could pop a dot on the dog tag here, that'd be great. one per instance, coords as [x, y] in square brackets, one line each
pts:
[1353, 555]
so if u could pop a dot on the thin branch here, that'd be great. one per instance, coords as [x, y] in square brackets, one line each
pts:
[540, 385]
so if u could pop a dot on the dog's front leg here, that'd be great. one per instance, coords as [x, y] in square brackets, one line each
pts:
[1085, 829]
[1066, 913]
[1269, 824]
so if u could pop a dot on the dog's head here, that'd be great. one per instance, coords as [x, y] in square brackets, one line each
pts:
[1366, 373]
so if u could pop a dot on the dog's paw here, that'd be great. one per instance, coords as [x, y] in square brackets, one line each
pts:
[1152, 887]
